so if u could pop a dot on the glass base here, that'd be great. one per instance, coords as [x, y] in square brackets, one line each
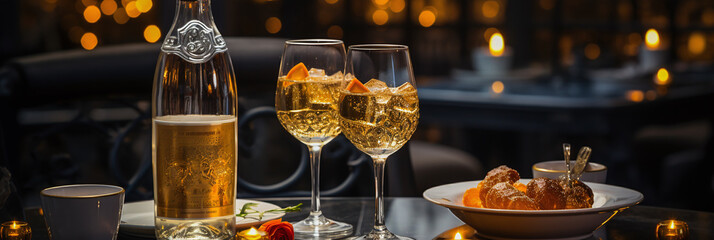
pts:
[381, 235]
[317, 226]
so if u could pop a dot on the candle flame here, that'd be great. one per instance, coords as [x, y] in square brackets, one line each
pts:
[457, 236]
[496, 44]
[652, 39]
[252, 232]
[14, 225]
[671, 224]
[662, 77]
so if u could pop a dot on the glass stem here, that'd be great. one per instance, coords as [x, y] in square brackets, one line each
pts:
[315, 166]
[378, 196]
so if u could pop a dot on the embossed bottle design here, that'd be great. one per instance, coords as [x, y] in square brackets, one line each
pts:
[194, 129]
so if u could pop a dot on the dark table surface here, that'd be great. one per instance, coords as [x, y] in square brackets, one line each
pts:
[420, 219]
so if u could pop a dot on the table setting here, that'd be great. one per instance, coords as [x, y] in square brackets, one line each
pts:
[367, 92]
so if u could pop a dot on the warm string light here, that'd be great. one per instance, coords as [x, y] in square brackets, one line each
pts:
[496, 44]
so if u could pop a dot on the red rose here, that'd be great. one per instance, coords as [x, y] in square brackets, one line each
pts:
[278, 230]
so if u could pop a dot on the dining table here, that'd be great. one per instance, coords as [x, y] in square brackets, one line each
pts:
[420, 219]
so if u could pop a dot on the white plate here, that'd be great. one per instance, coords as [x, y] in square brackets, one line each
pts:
[535, 224]
[137, 218]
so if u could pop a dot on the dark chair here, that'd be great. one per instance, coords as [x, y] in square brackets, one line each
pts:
[84, 116]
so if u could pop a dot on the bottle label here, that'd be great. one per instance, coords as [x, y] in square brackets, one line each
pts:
[195, 169]
[195, 42]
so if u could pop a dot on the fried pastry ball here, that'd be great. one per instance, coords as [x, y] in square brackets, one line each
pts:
[504, 195]
[578, 196]
[547, 193]
[495, 176]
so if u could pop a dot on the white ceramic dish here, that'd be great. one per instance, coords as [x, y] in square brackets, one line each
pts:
[535, 224]
[137, 218]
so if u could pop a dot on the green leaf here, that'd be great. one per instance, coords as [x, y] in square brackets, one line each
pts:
[247, 209]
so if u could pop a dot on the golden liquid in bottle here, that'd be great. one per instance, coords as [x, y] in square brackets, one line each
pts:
[308, 109]
[379, 122]
[195, 165]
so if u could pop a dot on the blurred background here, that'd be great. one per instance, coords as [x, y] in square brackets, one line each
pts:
[500, 82]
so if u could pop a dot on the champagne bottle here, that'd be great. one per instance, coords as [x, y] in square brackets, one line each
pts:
[194, 138]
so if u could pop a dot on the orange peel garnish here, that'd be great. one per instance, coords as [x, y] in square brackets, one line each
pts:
[298, 72]
[520, 186]
[356, 86]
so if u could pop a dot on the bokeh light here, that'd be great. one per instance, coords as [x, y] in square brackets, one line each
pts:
[592, 51]
[380, 17]
[490, 8]
[662, 77]
[335, 32]
[89, 2]
[547, 4]
[397, 5]
[92, 14]
[89, 41]
[273, 25]
[108, 7]
[120, 16]
[152, 33]
[697, 43]
[131, 10]
[144, 5]
[489, 32]
[427, 18]
[497, 87]
[635, 95]
[380, 2]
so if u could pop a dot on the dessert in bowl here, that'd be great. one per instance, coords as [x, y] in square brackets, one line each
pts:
[569, 223]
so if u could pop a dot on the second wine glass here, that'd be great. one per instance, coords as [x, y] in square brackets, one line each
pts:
[379, 111]
[306, 103]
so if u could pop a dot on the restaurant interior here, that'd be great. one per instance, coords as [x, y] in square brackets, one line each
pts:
[499, 83]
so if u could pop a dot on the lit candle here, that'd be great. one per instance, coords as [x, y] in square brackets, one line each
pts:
[457, 236]
[494, 60]
[252, 234]
[653, 54]
[652, 39]
[496, 45]
[15, 230]
[672, 230]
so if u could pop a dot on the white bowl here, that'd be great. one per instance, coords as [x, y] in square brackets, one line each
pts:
[535, 224]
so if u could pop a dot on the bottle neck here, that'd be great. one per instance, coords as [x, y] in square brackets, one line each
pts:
[187, 10]
[194, 36]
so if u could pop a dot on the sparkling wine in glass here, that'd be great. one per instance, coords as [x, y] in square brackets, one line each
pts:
[306, 102]
[378, 111]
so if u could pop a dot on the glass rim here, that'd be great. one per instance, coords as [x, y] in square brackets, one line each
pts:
[314, 41]
[117, 190]
[379, 47]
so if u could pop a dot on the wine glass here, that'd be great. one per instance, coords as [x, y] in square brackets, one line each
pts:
[379, 111]
[306, 103]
